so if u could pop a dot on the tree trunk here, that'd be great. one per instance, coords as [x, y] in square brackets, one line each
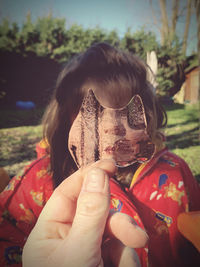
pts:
[187, 24]
[197, 6]
[165, 26]
[175, 9]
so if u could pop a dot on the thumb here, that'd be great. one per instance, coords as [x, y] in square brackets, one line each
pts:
[92, 208]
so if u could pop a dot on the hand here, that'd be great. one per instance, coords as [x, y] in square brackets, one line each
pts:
[70, 227]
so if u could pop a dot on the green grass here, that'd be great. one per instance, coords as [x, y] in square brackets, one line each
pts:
[18, 143]
[18, 147]
[183, 134]
[14, 118]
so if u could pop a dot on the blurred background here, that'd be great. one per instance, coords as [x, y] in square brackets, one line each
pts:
[38, 37]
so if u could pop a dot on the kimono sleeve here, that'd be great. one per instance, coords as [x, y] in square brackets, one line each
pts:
[20, 205]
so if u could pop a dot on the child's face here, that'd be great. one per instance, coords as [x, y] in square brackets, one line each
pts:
[102, 133]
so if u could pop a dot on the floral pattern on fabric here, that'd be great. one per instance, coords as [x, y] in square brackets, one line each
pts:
[162, 179]
[164, 218]
[20, 205]
[172, 192]
[8, 217]
[163, 189]
[116, 204]
[41, 173]
[28, 216]
[13, 255]
[11, 185]
[168, 160]
[37, 198]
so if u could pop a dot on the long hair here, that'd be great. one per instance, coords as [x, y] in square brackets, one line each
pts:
[115, 75]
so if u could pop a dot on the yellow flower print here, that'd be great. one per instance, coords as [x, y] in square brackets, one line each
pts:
[18, 177]
[41, 173]
[155, 186]
[28, 217]
[37, 197]
[44, 143]
[172, 192]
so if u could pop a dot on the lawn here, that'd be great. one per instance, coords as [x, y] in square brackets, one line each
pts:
[18, 147]
[18, 143]
[183, 134]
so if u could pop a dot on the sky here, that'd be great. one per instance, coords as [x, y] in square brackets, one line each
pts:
[107, 14]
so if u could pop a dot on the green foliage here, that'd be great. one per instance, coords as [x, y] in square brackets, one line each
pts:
[42, 36]
[113, 38]
[164, 82]
[170, 74]
[75, 41]
[15, 118]
[28, 36]
[51, 37]
[139, 42]
[8, 35]
[52, 34]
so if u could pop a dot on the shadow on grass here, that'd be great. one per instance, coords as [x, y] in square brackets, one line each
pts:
[190, 120]
[174, 106]
[184, 139]
[19, 151]
[14, 117]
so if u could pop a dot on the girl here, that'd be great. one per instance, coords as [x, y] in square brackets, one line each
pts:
[104, 107]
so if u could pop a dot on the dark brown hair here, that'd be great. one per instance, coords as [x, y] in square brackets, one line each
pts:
[115, 73]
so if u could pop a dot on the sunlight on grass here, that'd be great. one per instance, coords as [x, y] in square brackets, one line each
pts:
[14, 118]
[18, 146]
[183, 135]
[192, 156]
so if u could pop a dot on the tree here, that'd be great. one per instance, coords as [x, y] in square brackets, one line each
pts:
[165, 24]
[28, 37]
[139, 42]
[8, 35]
[197, 7]
[170, 76]
[168, 25]
[172, 55]
[52, 34]
[187, 24]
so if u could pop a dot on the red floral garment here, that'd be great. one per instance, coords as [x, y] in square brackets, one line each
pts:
[160, 190]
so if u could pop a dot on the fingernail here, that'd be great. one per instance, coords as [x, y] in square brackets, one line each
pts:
[94, 181]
